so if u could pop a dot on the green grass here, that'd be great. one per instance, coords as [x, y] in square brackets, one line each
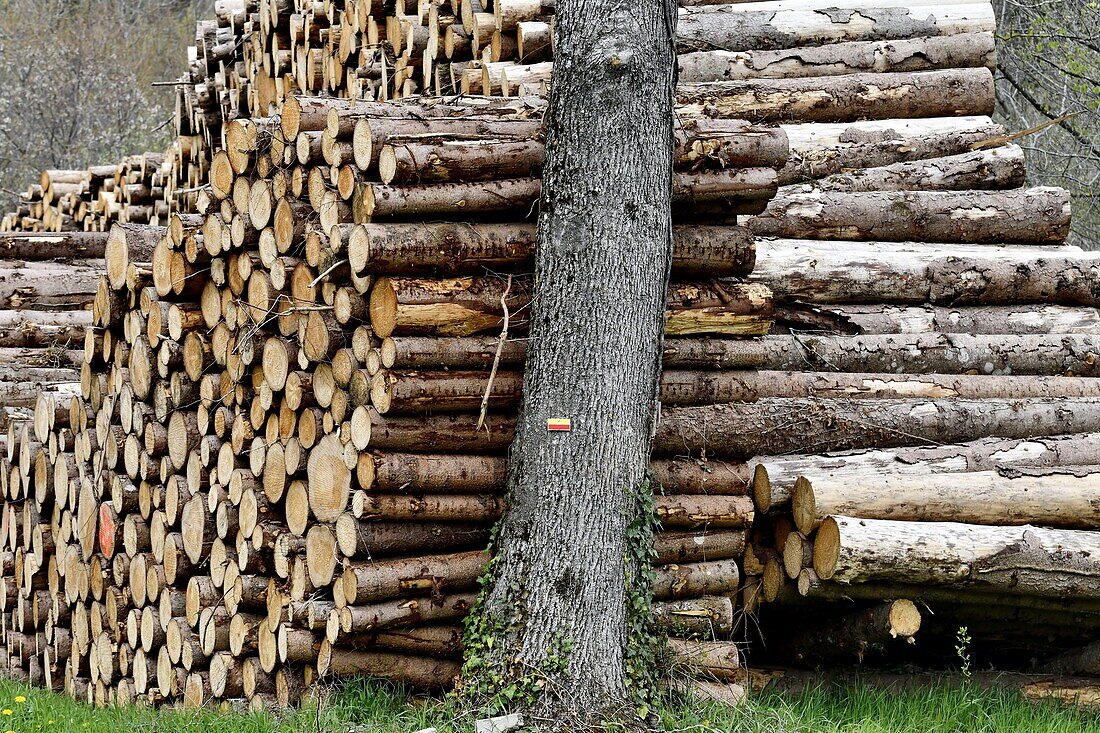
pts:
[360, 707]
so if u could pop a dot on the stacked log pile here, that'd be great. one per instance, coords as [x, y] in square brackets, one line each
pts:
[92, 200]
[297, 397]
[289, 446]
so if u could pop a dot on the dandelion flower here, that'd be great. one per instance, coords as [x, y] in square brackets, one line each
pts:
[6, 711]
[20, 698]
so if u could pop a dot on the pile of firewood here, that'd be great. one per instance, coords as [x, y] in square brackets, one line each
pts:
[290, 443]
[91, 200]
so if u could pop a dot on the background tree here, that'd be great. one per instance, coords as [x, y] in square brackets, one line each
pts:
[562, 630]
[76, 82]
[1048, 66]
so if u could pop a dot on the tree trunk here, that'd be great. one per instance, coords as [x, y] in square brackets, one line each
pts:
[603, 258]
[1025, 216]
[835, 59]
[1052, 497]
[819, 150]
[889, 272]
[731, 28]
[1020, 560]
[954, 92]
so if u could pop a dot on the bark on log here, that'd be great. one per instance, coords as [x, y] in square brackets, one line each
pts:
[51, 245]
[419, 672]
[469, 248]
[26, 328]
[1024, 560]
[922, 353]
[993, 168]
[459, 474]
[1026, 216]
[774, 478]
[819, 150]
[776, 426]
[1053, 497]
[737, 191]
[871, 386]
[465, 306]
[1059, 353]
[730, 144]
[733, 28]
[835, 59]
[1018, 320]
[955, 92]
[67, 286]
[833, 272]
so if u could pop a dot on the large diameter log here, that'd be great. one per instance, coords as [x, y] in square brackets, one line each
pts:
[775, 426]
[779, 425]
[129, 243]
[691, 580]
[1019, 320]
[853, 57]
[854, 637]
[731, 28]
[955, 92]
[819, 150]
[1024, 216]
[713, 660]
[1020, 560]
[994, 168]
[896, 272]
[51, 245]
[468, 248]
[774, 479]
[1053, 497]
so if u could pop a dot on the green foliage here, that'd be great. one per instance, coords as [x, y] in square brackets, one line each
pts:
[643, 650]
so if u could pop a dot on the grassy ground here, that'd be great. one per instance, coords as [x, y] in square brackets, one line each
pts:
[365, 708]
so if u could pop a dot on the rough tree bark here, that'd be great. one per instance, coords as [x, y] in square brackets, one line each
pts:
[568, 592]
